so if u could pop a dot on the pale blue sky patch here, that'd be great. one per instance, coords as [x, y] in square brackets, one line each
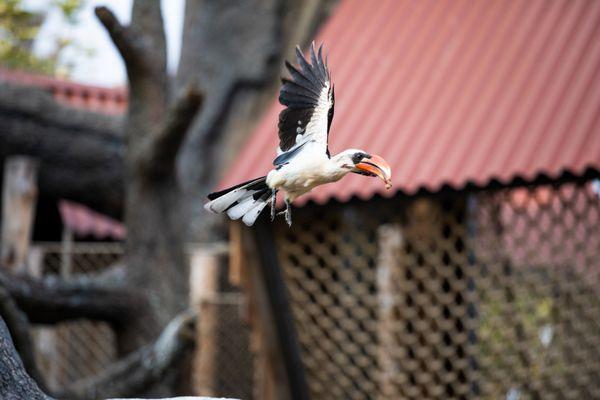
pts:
[101, 65]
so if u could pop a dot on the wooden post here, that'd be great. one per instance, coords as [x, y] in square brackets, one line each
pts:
[35, 261]
[236, 254]
[274, 285]
[270, 373]
[204, 287]
[390, 242]
[19, 197]
[66, 253]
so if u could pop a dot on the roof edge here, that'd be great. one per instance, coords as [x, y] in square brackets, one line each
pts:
[564, 175]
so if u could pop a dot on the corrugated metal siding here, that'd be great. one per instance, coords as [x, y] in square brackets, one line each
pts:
[456, 92]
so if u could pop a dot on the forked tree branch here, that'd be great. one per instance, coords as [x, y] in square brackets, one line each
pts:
[141, 44]
[121, 35]
[125, 377]
[140, 369]
[158, 150]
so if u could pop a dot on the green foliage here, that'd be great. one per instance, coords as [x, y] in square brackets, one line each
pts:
[526, 331]
[69, 8]
[19, 28]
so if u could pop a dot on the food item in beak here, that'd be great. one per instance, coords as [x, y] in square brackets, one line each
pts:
[377, 166]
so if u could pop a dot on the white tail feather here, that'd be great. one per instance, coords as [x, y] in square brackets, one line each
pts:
[238, 211]
[251, 216]
[240, 202]
[220, 204]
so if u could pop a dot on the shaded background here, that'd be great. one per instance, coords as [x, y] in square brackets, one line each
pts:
[476, 277]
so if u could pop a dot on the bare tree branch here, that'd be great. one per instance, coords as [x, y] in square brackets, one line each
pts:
[142, 44]
[51, 300]
[19, 328]
[157, 153]
[143, 48]
[82, 148]
[140, 369]
[121, 36]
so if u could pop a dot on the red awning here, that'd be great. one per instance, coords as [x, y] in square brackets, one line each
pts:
[83, 221]
[455, 92]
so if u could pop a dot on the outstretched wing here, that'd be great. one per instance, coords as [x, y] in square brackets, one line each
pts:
[309, 99]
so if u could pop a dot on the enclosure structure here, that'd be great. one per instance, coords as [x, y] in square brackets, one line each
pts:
[459, 294]
[478, 277]
[90, 244]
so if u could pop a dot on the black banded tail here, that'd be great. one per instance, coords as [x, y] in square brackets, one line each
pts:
[246, 200]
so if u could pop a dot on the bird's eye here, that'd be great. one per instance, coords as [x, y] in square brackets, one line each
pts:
[358, 157]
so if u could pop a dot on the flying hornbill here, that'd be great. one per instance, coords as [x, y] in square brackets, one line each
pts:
[303, 161]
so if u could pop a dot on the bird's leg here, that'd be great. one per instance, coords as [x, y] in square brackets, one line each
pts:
[273, 199]
[288, 212]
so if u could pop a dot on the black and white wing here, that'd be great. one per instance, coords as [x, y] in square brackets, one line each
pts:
[308, 97]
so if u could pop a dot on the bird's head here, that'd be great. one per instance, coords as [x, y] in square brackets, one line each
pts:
[363, 163]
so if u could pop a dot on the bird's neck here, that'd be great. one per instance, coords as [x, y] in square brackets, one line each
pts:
[335, 168]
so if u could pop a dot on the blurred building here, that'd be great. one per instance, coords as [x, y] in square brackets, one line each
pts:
[89, 243]
[76, 218]
[478, 275]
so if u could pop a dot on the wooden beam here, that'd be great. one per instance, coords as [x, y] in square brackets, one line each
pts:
[271, 274]
[236, 254]
[19, 196]
[390, 242]
[270, 375]
[204, 287]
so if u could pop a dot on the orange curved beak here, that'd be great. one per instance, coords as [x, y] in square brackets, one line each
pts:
[377, 166]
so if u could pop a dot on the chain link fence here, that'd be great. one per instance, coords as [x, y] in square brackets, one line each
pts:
[70, 351]
[74, 350]
[224, 364]
[492, 294]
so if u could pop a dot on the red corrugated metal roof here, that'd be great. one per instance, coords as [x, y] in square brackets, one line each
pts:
[456, 92]
[93, 98]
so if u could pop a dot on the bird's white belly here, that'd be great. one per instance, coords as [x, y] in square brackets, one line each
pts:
[298, 178]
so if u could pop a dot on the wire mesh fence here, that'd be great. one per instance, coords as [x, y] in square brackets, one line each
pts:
[224, 364]
[70, 351]
[493, 294]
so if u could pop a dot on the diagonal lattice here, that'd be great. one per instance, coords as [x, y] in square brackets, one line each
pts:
[490, 294]
[71, 351]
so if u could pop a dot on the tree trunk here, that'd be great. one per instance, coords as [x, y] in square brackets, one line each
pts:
[128, 376]
[15, 384]
[155, 229]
